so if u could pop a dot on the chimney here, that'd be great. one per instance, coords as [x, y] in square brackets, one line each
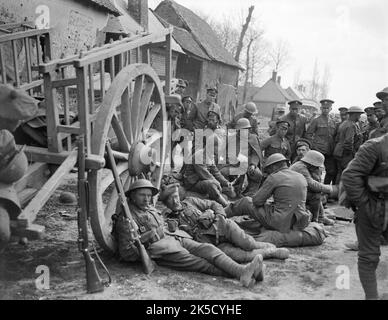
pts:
[279, 78]
[274, 74]
[138, 9]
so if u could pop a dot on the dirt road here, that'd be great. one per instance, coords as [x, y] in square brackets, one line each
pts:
[309, 273]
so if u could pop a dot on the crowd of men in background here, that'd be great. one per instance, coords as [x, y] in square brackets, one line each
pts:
[245, 213]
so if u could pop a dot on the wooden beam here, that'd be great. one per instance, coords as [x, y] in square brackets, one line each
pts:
[37, 154]
[168, 66]
[120, 48]
[23, 34]
[64, 82]
[30, 212]
[31, 85]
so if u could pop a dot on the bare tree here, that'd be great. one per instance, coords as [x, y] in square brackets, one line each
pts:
[280, 55]
[325, 82]
[242, 34]
[314, 87]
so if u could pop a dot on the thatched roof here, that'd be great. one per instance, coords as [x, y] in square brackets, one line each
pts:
[200, 30]
[104, 4]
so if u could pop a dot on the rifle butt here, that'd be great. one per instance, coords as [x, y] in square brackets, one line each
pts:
[148, 264]
[93, 281]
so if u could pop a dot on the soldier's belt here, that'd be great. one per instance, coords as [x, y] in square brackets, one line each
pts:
[151, 236]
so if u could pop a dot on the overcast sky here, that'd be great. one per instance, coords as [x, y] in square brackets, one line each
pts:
[350, 36]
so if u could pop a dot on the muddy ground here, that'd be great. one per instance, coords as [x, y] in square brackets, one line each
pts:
[309, 273]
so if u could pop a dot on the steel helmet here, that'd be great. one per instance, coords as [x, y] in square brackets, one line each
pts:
[355, 109]
[140, 184]
[215, 108]
[15, 169]
[273, 158]
[315, 158]
[243, 123]
[381, 94]
[250, 107]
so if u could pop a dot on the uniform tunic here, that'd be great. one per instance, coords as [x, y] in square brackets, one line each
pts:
[275, 144]
[296, 130]
[371, 207]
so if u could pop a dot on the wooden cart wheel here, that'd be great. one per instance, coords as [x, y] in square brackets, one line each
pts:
[133, 117]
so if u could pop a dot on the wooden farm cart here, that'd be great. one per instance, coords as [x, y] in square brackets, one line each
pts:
[130, 112]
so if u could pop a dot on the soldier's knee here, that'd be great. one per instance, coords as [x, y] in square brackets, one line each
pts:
[5, 231]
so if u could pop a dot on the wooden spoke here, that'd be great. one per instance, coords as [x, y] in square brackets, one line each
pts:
[155, 135]
[120, 134]
[144, 104]
[125, 114]
[152, 113]
[137, 93]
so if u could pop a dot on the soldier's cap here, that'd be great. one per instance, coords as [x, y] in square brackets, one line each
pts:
[377, 105]
[182, 83]
[295, 103]
[213, 88]
[342, 108]
[326, 102]
[280, 122]
[168, 190]
[369, 110]
[303, 142]
[382, 94]
[15, 104]
[173, 99]
[187, 98]
[355, 109]
[141, 184]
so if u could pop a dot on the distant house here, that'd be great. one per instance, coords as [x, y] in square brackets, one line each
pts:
[206, 62]
[271, 95]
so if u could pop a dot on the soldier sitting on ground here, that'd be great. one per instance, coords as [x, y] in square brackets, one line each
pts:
[285, 221]
[182, 253]
[310, 166]
[206, 222]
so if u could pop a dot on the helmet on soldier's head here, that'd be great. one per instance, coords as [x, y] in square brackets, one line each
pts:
[355, 109]
[274, 158]
[382, 94]
[141, 184]
[250, 107]
[215, 108]
[315, 158]
[243, 123]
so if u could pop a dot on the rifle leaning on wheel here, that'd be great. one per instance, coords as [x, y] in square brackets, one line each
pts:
[93, 280]
[148, 265]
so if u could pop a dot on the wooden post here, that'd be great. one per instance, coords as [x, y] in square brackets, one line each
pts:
[15, 63]
[53, 141]
[83, 106]
[28, 61]
[2, 65]
[168, 65]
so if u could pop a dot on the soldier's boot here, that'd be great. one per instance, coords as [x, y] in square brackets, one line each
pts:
[244, 273]
[259, 273]
[322, 217]
[237, 236]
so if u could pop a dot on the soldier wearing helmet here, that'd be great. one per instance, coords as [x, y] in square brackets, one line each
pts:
[310, 166]
[170, 248]
[278, 142]
[250, 111]
[349, 139]
[302, 147]
[284, 221]
[321, 132]
[247, 162]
